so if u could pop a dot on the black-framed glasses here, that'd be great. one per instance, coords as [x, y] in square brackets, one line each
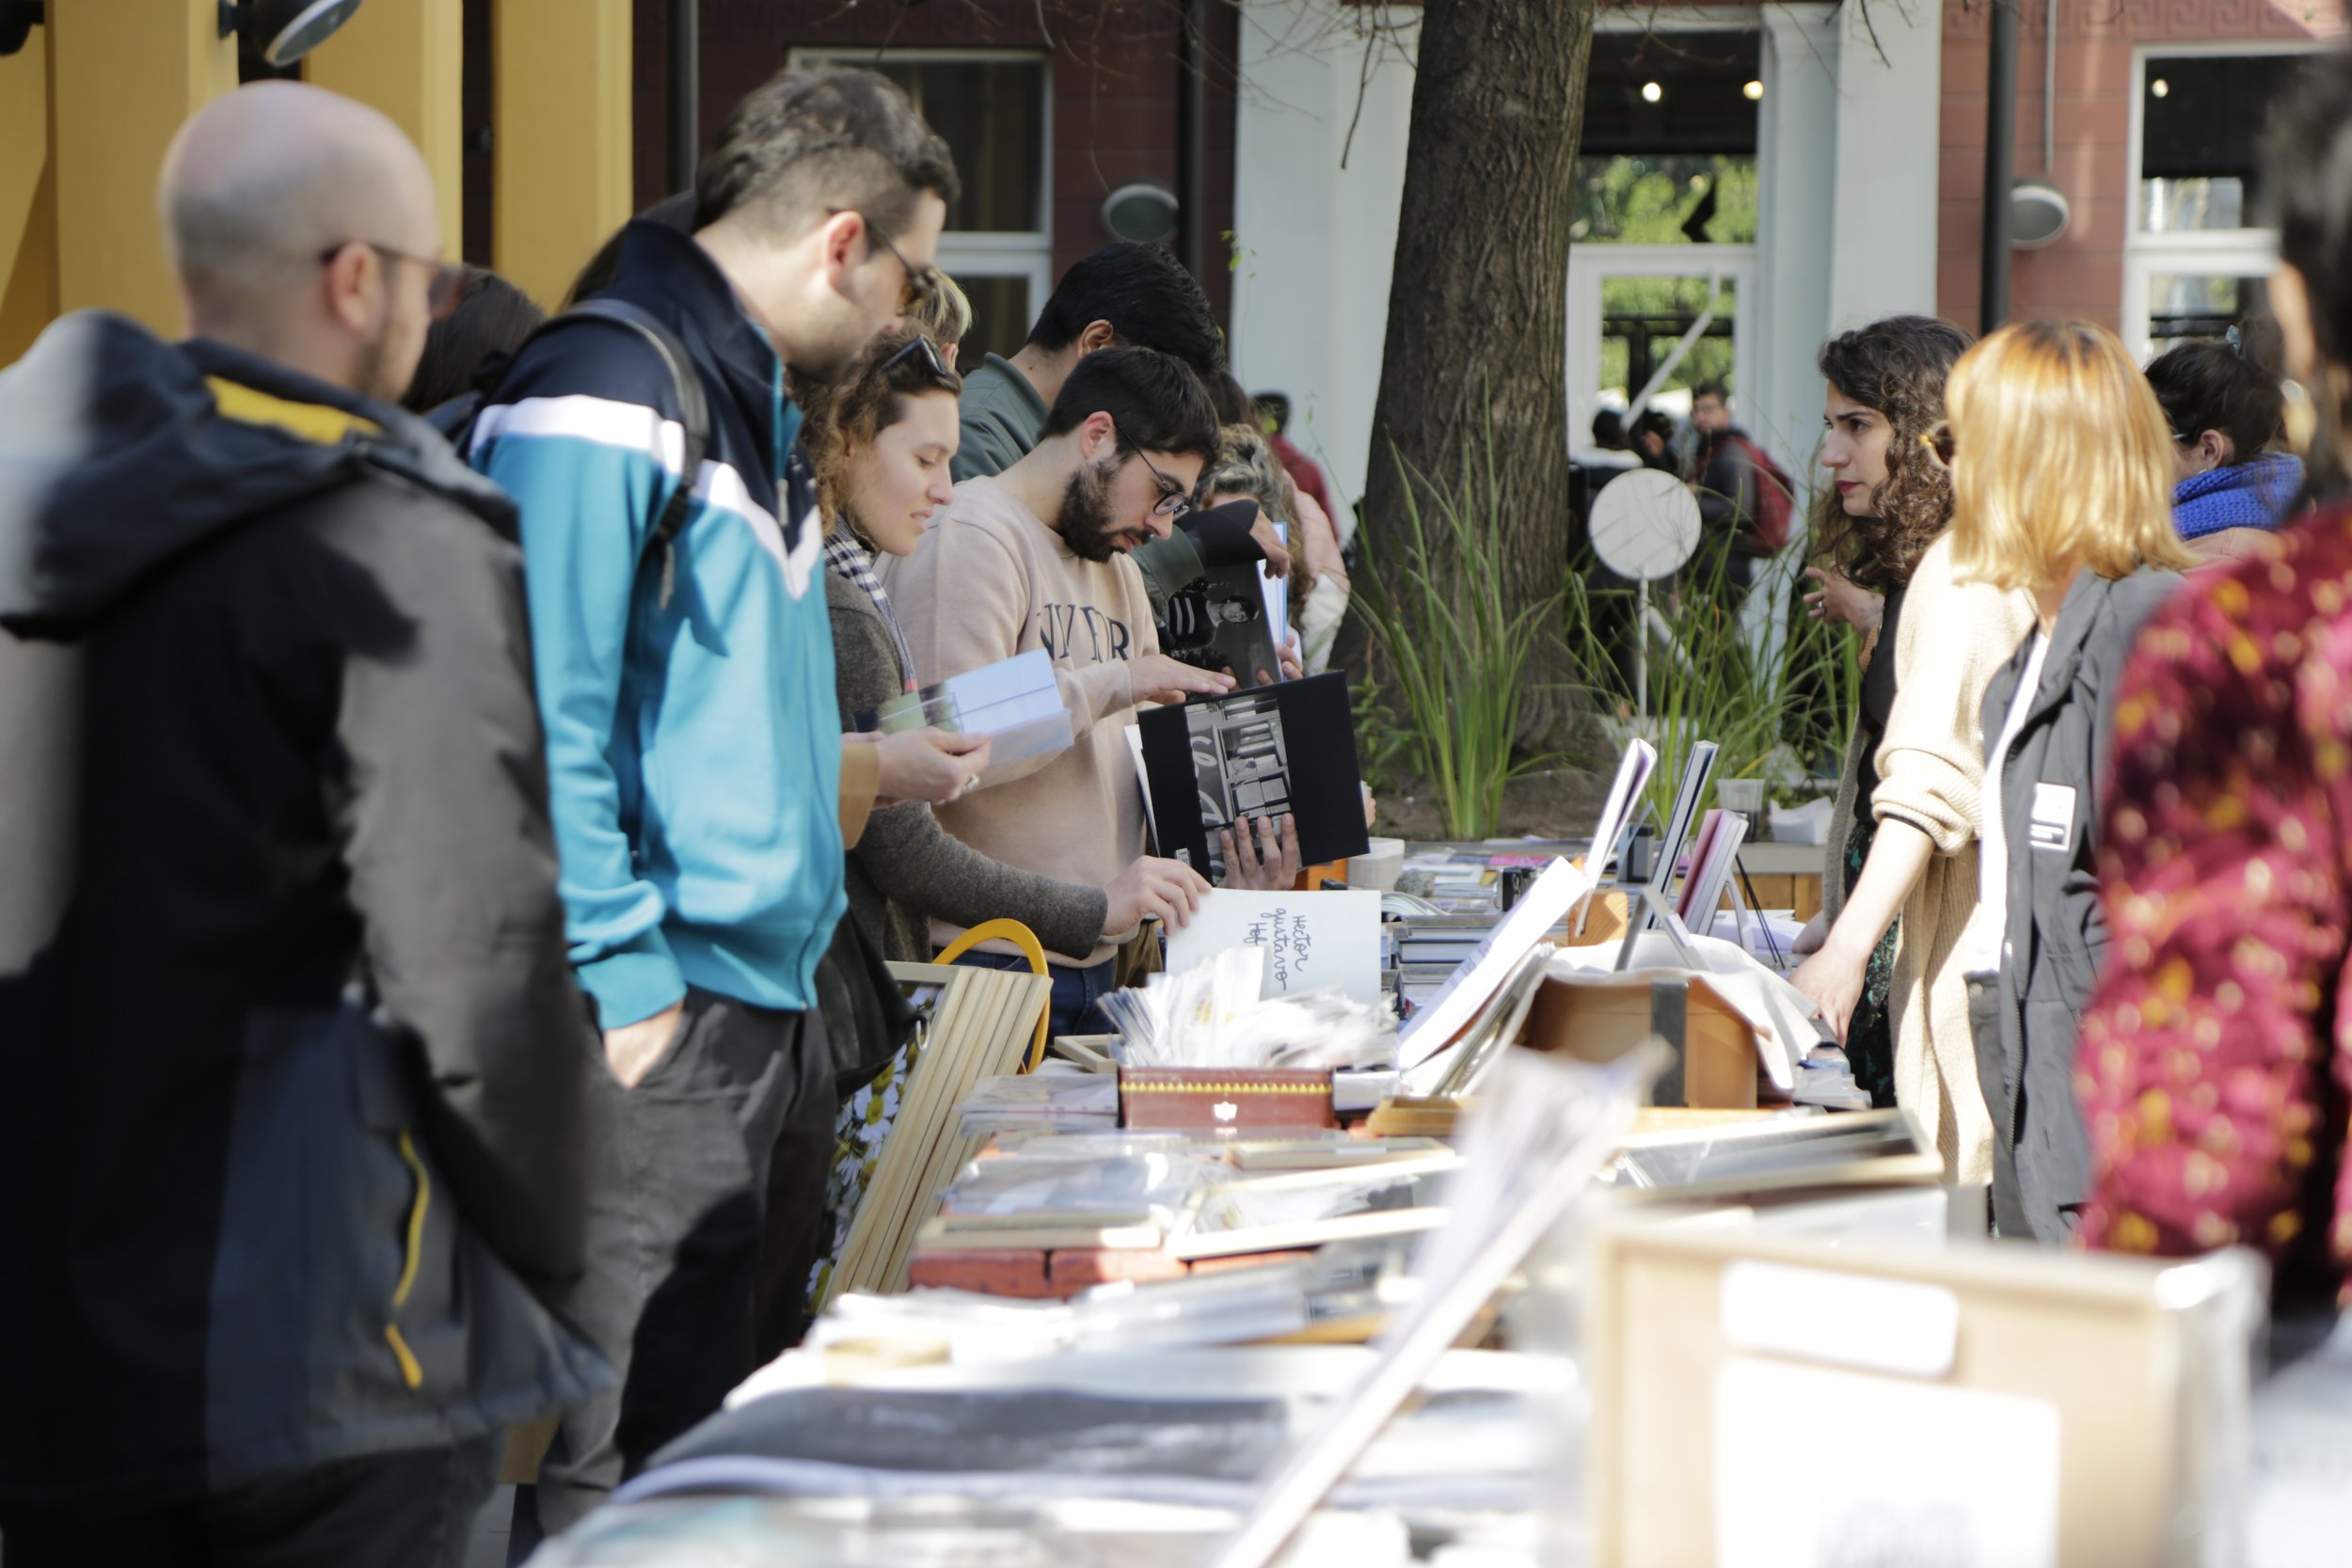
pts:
[921, 349]
[445, 281]
[1173, 502]
[1938, 443]
[922, 282]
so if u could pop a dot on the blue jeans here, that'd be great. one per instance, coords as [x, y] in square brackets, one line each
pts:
[1072, 1011]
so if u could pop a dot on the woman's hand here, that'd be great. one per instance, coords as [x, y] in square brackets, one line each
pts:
[930, 765]
[1266, 859]
[1838, 600]
[1833, 979]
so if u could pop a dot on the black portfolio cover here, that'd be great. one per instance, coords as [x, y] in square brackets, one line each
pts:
[1263, 751]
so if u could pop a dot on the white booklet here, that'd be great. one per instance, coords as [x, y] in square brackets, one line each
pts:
[1016, 702]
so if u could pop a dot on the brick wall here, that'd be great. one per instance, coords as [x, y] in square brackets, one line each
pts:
[2082, 274]
[1115, 75]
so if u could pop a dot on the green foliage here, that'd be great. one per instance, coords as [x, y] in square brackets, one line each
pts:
[1777, 714]
[1456, 657]
[1387, 752]
[1644, 199]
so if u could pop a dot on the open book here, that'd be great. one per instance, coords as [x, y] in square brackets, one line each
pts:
[1265, 752]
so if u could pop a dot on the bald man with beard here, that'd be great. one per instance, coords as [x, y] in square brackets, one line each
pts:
[295, 1083]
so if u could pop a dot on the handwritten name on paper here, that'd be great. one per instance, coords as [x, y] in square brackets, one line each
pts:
[1313, 940]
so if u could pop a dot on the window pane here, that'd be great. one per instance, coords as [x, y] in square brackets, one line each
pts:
[2183, 305]
[2201, 120]
[992, 114]
[1641, 319]
[1000, 318]
[1664, 199]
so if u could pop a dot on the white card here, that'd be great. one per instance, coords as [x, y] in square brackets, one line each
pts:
[1313, 940]
[1972, 1482]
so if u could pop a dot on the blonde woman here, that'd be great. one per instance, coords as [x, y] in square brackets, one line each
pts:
[1953, 635]
[2062, 466]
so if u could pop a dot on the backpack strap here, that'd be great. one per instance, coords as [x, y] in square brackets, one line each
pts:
[694, 415]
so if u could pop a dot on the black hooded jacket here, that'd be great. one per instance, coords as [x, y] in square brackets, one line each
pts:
[295, 1078]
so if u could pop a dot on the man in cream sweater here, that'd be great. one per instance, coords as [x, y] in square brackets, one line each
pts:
[1036, 557]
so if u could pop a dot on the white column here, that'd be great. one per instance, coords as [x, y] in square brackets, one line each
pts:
[1315, 242]
[1796, 158]
[1881, 242]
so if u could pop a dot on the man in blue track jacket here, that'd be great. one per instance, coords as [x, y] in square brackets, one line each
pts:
[693, 745]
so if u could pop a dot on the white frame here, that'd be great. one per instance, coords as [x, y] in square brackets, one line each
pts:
[969, 253]
[1588, 265]
[2202, 253]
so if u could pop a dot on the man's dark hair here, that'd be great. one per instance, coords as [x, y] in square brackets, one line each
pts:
[492, 319]
[1155, 401]
[1609, 430]
[1147, 297]
[1655, 422]
[1712, 389]
[809, 142]
[1232, 404]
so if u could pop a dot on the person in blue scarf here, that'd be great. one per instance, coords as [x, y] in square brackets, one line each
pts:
[2225, 405]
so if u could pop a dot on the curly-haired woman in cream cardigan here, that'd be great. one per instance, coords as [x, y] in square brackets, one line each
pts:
[1921, 786]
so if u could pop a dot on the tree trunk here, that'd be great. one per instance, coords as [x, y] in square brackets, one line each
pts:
[1477, 331]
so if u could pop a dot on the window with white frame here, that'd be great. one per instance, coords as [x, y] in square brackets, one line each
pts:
[2198, 260]
[994, 110]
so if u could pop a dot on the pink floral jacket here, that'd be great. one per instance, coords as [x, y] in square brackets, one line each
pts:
[2215, 1058]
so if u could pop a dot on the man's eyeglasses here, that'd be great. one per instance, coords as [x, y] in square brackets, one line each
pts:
[922, 282]
[1938, 443]
[1173, 502]
[445, 281]
[921, 350]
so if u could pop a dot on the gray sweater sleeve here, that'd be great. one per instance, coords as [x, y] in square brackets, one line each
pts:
[910, 858]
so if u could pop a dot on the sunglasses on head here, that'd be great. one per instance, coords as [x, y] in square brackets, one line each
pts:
[445, 281]
[920, 350]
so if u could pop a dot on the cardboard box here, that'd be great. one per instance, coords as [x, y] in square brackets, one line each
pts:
[1761, 1400]
[1600, 1017]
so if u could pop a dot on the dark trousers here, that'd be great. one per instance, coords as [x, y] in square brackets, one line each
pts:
[705, 1221]
[409, 1510]
[1073, 1010]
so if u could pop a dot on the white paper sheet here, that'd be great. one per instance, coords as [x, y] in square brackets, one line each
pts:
[1972, 1482]
[1313, 940]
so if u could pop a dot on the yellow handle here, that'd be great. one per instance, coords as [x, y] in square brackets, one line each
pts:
[1032, 949]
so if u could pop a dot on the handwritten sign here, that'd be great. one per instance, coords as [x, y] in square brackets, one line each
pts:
[1313, 940]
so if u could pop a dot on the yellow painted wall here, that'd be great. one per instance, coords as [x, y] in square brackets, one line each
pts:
[125, 75]
[28, 214]
[407, 57]
[561, 146]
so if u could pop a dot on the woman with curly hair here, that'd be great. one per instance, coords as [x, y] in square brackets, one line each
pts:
[1908, 814]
